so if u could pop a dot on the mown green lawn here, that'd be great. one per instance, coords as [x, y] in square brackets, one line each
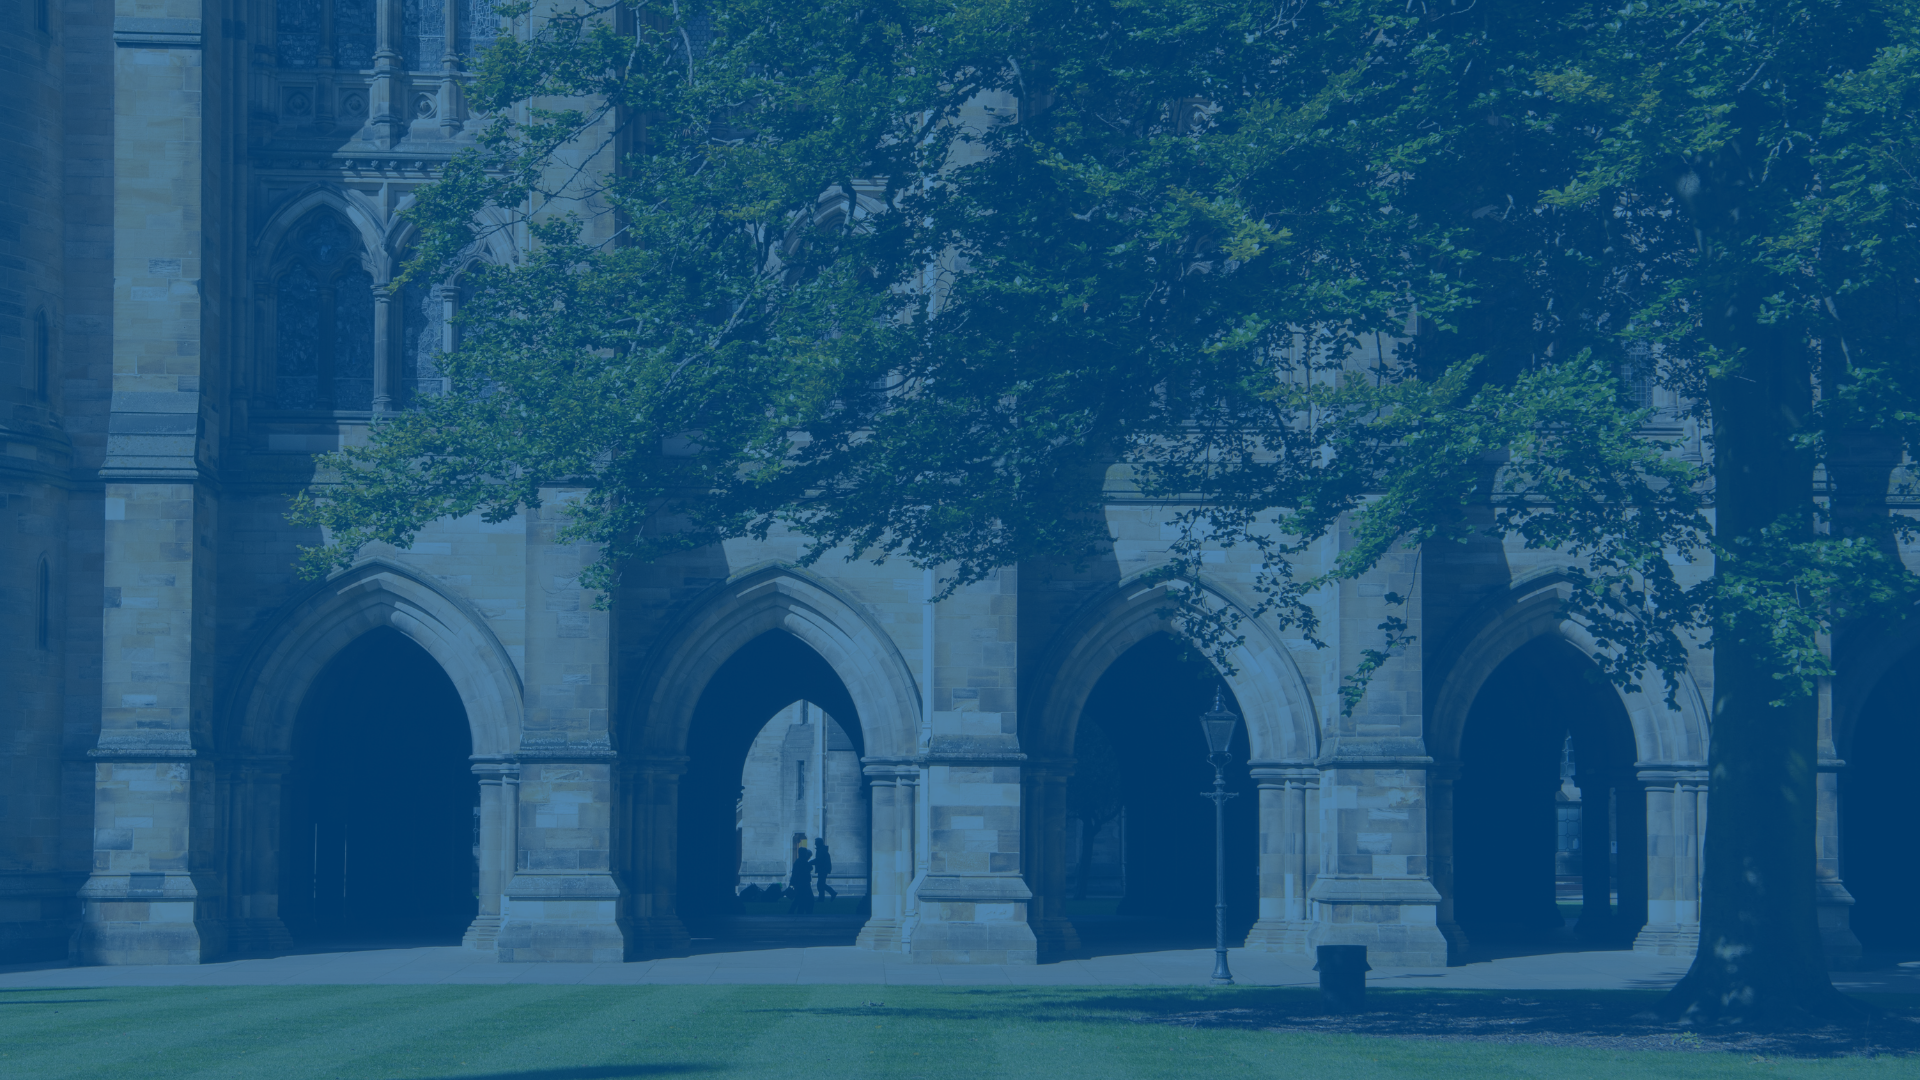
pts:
[818, 1032]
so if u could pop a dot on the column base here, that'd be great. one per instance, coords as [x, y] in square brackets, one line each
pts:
[482, 933]
[145, 918]
[1457, 942]
[880, 935]
[1834, 909]
[973, 920]
[1395, 918]
[258, 937]
[1667, 939]
[1279, 935]
[561, 918]
[1054, 936]
[654, 936]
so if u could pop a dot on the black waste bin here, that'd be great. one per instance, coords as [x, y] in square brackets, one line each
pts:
[1343, 977]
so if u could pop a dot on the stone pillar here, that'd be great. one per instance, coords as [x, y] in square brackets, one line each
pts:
[652, 802]
[499, 808]
[1834, 903]
[973, 899]
[1676, 796]
[562, 901]
[154, 894]
[1596, 847]
[1441, 778]
[1286, 857]
[253, 849]
[386, 113]
[1373, 887]
[384, 332]
[890, 858]
[1046, 857]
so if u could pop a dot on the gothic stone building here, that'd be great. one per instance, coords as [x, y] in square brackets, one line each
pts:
[202, 755]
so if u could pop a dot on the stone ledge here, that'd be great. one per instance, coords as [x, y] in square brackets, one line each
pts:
[147, 33]
[985, 889]
[1328, 889]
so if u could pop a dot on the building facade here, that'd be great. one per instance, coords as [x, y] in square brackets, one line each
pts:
[206, 756]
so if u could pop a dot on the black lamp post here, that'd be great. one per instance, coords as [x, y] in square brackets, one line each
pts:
[1218, 726]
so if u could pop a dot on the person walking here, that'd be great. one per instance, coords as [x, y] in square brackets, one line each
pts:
[800, 883]
[822, 866]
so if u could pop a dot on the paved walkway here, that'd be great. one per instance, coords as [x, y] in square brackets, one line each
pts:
[1614, 970]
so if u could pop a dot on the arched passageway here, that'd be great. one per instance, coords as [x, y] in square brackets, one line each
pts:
[1549, 822]
[1140, 769]
[379, 833]
[773, 755]
[1879, 849]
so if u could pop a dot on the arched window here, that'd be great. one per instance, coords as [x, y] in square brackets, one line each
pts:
[42, 354]
[323, 319]
[43, 608]
[426, 331]
[305, 31]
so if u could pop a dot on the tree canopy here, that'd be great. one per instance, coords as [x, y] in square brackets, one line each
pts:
[939, 282]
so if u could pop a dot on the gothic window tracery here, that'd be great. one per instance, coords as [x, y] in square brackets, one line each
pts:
[324, 320]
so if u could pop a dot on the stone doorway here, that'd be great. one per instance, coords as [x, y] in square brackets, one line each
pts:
[774, 762]
[1878, 848]
[1549, 820]
[380, 836]
[1139, 848]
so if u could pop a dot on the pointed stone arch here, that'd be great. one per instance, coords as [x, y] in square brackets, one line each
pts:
[1278, 710]
[1536, 608]
[747, 605]
[258, 729]
[316, 625]
[1670, 745]
[654, 728]
[1282, 729]
[364, 217]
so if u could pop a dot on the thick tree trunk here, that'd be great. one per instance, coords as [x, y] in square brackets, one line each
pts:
[1760, 961]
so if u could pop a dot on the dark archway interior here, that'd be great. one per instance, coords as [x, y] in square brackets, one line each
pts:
[380, 828]
[1880, 857]
[1148, 705]
[1505, 814]
[768, 673]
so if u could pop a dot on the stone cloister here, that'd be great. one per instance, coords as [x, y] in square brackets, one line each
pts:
[207, 756]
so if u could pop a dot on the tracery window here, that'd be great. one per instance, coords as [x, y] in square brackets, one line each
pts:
[351, 31]
[426, 330]
[323, 319]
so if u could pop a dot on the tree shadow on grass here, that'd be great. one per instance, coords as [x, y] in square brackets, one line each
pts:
[586, 1073]
[1609, 1020]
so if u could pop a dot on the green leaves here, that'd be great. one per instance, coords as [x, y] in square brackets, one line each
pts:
[943, 282]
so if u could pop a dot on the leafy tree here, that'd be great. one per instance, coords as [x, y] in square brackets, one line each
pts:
[938, 282]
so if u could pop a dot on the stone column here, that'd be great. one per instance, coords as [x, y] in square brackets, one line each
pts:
[1833, 902]
[1373, 887]
[1596, 846]
[253, 844]
[499, 807]
[1441, 778]
[1286, 857]
[384, 332]
[386, 113]
[1046, 856]
[653, 921]
[155, 891]
[972, 901]
[890, 859]
[1675, 796]
[562, 901]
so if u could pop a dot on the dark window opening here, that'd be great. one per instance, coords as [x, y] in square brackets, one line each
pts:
[323, 318]
[43, 609]
[42, 355]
